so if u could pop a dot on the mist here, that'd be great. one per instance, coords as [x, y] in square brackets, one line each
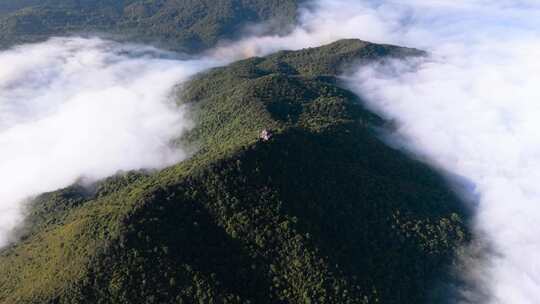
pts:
[73, 108]
[471, 108]
[87, 107]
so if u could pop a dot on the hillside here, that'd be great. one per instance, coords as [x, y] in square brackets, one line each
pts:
[174, 24]
[323, 212]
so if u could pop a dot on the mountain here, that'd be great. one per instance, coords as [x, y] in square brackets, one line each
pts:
[181, 25]
[322, 212]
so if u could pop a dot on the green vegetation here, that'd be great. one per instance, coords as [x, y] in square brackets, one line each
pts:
[185, 25]
[323, 212]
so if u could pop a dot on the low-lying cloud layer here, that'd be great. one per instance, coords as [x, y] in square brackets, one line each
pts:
[88, 107]
[72, 108]
[471, 108]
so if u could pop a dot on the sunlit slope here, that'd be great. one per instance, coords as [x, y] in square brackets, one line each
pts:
[177, 24]
[323, 212]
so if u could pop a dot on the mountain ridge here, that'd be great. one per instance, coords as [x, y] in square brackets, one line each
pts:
[185, 26]
[323, 212]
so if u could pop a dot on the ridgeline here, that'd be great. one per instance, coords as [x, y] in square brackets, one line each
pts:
[180, 25]
[322, 212]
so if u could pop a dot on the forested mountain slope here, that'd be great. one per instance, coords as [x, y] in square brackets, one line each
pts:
[184, 25]
[323, 212]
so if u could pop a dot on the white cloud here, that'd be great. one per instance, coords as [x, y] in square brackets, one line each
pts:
[84, 107]
[472, 108]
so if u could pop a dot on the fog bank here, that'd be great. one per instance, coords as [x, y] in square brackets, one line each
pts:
[471, 108]
[74, 107]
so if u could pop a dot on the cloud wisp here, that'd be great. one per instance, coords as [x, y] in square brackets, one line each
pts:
[74, 107]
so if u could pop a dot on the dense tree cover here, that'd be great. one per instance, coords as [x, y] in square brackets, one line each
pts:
[323, 212]
[186, 25]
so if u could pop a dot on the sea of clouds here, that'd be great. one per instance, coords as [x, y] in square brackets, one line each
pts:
[472, 108]
[73, 108]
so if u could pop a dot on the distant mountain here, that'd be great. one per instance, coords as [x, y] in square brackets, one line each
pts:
[322, 212]
[183, 25]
